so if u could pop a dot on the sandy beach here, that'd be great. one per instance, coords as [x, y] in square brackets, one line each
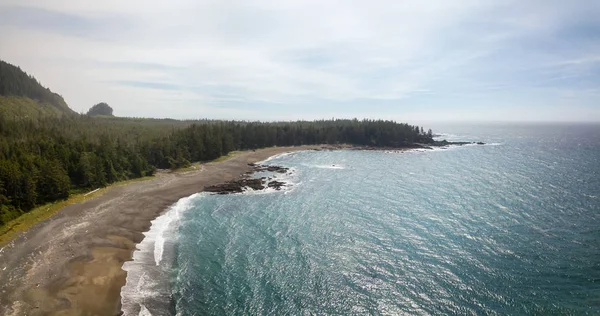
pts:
[70, 264]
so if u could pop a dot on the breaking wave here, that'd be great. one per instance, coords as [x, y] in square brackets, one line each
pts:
[146, 288]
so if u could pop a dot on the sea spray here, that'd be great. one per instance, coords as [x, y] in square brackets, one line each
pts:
[147, 288]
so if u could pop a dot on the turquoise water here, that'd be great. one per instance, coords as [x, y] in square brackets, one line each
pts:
[511, 227]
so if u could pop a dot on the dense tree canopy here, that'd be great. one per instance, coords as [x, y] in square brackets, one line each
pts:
[48, 152]
[45, 160]
[101, 109]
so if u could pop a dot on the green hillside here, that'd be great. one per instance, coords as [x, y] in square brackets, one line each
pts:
[22, 96]
[48, 152]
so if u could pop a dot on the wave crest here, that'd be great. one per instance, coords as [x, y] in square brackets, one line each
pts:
[146, 287]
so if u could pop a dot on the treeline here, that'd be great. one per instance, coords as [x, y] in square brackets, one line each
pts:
[15, 82]
[45, 160]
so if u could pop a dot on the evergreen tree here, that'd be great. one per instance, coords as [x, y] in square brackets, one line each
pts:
[43, 159]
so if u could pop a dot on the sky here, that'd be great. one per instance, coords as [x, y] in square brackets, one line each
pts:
[462, 60]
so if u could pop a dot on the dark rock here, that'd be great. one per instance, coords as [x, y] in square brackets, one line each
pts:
[277, 169]
[444, 143]
[236, 186]
[480, 143]
[276, 185]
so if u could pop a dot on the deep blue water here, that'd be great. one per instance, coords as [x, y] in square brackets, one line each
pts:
[507, 228]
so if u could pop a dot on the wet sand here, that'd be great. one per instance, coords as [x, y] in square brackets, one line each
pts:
[70, 264]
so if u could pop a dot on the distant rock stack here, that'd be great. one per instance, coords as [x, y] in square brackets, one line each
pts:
[100, 109]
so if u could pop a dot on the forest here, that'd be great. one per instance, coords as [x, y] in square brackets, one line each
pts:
[45, 160]
[47, 151]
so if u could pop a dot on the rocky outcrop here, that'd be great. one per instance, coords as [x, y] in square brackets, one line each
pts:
[445, 143]
[277, 185]
[277, 169]
[238, 186]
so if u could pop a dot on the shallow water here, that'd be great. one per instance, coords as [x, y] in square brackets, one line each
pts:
[511, 227]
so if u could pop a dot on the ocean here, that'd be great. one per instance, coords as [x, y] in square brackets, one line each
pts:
[507, 228]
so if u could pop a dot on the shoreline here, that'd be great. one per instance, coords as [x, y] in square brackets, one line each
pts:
[71, 263]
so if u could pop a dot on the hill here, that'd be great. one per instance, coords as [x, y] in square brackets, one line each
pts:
[22, 96]
[48, 152]
[102, 109]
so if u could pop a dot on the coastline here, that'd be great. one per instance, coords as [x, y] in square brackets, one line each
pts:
[71, 263]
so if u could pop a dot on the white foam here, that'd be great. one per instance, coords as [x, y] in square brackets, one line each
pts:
[436, 148]
[454, 137]
[145, 270]
[450, 137]
[287, 178]
[285, 188]
[250, 191]
[163, 223]
[276, 156]
[144, 311]
[329, 167]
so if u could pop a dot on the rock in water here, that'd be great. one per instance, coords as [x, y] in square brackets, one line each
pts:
[237, 186]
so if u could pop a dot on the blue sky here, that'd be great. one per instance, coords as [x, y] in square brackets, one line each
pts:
[461, 60]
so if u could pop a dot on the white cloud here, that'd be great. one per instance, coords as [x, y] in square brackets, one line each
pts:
[227, 56]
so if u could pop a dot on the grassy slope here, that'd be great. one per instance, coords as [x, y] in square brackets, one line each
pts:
[12, 107]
